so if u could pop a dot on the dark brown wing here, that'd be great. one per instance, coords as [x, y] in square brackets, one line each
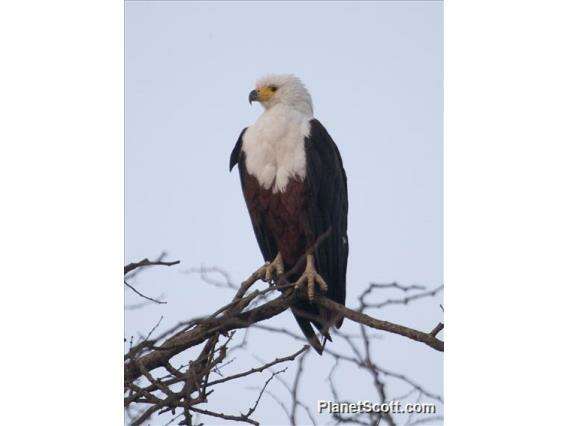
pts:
[265, 239]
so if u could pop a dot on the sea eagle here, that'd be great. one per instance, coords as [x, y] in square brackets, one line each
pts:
[295, 190]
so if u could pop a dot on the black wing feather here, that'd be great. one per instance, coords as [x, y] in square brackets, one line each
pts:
[328, 208]
[236, 153]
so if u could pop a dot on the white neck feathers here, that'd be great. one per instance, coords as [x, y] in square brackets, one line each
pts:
[274, 146]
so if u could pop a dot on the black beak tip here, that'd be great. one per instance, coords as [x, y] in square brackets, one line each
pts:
[253, 96]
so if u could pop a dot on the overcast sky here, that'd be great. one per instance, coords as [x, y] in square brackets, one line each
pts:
[374, 71]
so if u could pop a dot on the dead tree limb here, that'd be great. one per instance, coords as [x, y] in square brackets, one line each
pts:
[146, 262]
[234, 318]
[247, 310]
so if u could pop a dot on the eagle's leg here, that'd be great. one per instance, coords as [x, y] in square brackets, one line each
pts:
[311, 277]
[271, 270]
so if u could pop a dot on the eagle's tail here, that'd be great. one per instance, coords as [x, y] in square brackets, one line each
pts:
[308, 330]
[306, 315]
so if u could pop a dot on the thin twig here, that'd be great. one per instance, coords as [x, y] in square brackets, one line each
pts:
[143, 295]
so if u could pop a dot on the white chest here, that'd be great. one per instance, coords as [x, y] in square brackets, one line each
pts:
[274, 147]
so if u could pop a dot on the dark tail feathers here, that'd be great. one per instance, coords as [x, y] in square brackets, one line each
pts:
[306, 315]
[310, 334]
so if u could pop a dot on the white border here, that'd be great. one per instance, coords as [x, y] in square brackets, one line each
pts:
[506, 212]
[61, 172]
[61, 159]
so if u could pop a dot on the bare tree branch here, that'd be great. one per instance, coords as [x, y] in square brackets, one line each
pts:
[188, 386]
[143, 295]
[401, 330]
[146, 262]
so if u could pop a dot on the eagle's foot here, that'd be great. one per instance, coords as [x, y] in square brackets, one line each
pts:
[271, 270]
[311, 277]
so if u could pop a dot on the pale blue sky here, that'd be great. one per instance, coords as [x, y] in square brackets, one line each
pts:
[374, 70]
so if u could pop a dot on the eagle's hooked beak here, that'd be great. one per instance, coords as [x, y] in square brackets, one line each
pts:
[253, 96]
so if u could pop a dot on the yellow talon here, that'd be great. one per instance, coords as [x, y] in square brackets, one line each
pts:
[271, 270]
[311, 277]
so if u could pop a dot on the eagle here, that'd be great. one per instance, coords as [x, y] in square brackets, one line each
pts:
[295, 189]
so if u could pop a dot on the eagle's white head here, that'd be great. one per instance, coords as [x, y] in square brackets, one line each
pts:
[282, 89]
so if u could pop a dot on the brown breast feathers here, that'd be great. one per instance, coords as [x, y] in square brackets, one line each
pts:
[285, 215]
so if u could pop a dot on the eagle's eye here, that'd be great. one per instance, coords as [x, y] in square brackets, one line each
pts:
[273, 88]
